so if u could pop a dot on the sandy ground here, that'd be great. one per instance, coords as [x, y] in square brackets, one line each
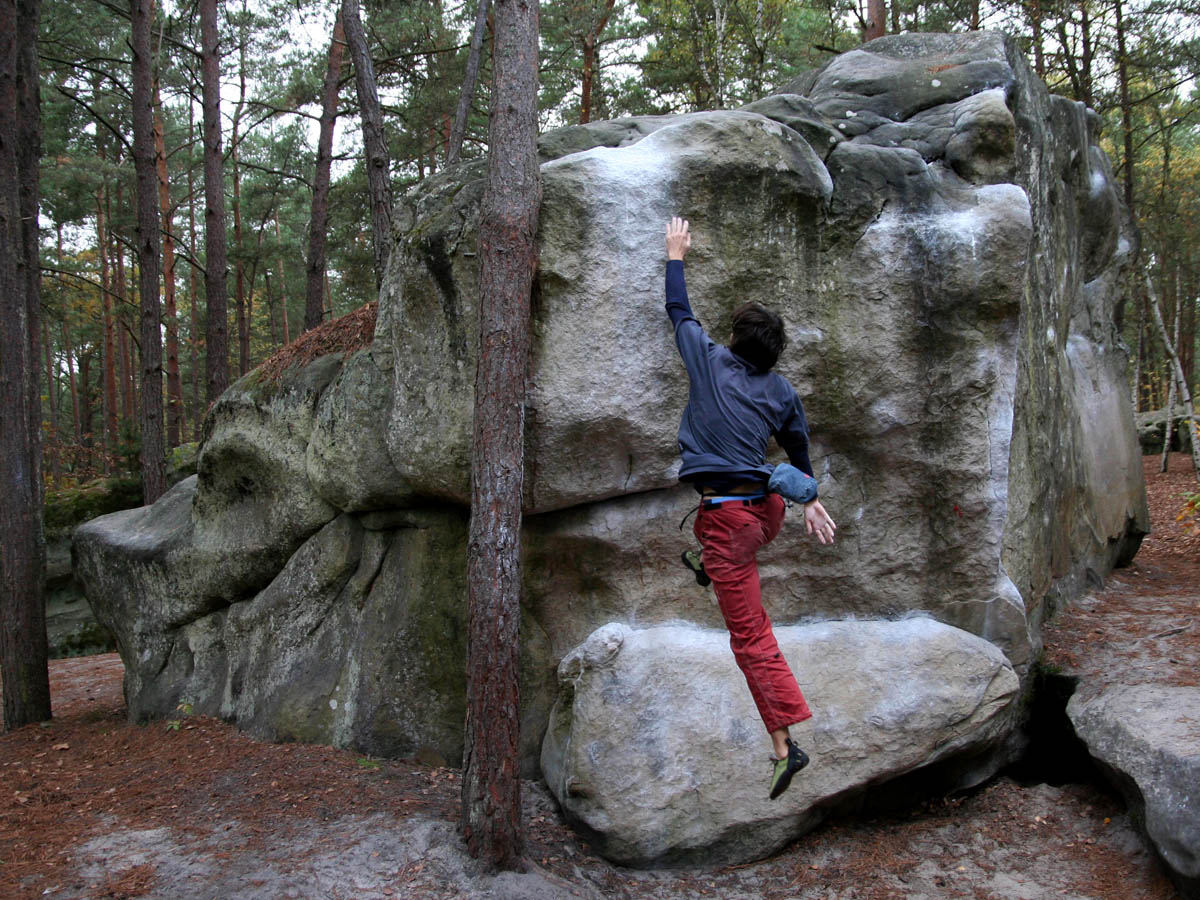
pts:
[92, 806]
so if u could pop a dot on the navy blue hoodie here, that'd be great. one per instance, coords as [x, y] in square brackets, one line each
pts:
[733, 408]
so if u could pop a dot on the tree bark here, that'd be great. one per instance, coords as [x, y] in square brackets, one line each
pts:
[174, 385]
[1035, 21]
[463, 110]
[491, 798]
[374, 141]
[589, 64]
[242, 315]
[1085, 60]
[125, 376]
[319, 222]
[150, 413]
[876, 20]
[109, 359]
[1126, 109]
[69, 351]
[194, 323]
[53, 446]
[282, 282]
[23, 651]
[217, 340]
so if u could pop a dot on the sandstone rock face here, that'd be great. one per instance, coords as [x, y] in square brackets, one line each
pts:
[655, 748]
[943, 240]
[1147, 739]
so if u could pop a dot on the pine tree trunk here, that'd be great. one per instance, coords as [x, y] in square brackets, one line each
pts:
[588, 78]
[194, 323]
[491, 798]
[242, 315]
[876, 20]
[1085, 60]
[319, 222]
[150, 413]
[1126, 110]
[283, 300]
[87, 422]
[70, 354]
[216, 264]
[1035, 20]
[23, 651]
[125, 387]
[109, 358]
[174, 385]
[463, 110]
[52, 444]
[374, 140]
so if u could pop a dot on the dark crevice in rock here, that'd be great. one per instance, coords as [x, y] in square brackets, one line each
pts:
[1053, 754]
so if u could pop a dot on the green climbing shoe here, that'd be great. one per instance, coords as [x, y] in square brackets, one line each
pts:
[781, 778]
[691, 560]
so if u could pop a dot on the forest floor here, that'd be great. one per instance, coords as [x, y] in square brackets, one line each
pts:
[92, 806]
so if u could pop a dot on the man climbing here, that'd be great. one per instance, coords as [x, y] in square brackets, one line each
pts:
[735, 404]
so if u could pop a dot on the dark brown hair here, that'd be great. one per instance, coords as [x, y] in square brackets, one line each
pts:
[758, 336]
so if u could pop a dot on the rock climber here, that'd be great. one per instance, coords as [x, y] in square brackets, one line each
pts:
[735, 405]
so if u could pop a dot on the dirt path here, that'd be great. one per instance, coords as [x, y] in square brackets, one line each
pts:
[94, 807]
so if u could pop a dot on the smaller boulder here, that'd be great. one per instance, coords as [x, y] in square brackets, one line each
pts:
[656, 752]
[1146, 738]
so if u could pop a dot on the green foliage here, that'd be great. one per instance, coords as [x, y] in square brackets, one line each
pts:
[69, 507]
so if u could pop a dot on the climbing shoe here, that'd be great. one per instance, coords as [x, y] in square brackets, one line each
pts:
[781, 778]
[691, 559]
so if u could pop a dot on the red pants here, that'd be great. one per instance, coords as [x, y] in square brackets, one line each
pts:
[731, 535]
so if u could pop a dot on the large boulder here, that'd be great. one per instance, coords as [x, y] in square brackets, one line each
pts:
[656, 751]
[944, 242]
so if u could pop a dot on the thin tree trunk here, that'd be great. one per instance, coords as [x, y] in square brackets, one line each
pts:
[589, 63]
[374, 141]
[174, 385]
[491, 791]
[319, 222]
[215, 266]
[125, 385]
[194, 324]
[239, 294]
[1126, 109]
[23, 651]
[1035, 19]
[466, 95]
[1137, 366]
[70, 354]
[239, 273]
[52, 444]
[86, 414]
[282, 282]
[1085, 61]
[109, 361]
[1168, 421]
[150, 417]
[1185, 393]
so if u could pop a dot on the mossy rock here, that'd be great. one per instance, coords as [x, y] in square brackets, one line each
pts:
[69, 507]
